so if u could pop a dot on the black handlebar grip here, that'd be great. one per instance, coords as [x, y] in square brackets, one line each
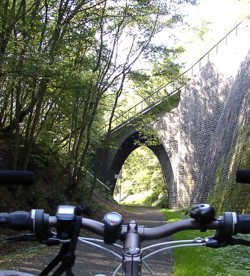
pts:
[25, 178]
[19, 220]
[243, 224]
[243, 176]
[4, 219]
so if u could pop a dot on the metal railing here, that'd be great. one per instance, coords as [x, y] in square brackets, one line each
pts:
[174, 86]
[99, 182]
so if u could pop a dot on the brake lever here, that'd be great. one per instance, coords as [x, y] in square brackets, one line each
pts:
[54, 241]
[214, 243]
[32, 237]
[239, 241]
[25, 237]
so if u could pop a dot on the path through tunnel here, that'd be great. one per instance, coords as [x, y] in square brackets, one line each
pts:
[130, 144]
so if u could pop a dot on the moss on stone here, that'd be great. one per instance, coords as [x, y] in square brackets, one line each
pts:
[227, 194]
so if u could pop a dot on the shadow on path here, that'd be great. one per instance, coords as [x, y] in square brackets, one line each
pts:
[91, 261]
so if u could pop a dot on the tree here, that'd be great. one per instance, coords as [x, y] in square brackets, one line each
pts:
[63, 68]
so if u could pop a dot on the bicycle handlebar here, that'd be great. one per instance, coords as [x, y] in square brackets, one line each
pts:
[19, 220]
[38, 222]
[24, 178]
[203, 217]
[243, 225]
[243, 176]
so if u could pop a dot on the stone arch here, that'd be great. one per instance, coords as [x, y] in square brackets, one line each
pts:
[127, 146]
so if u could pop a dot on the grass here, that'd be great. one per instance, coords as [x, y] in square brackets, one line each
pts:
[203, 261]
[135, 199]
[13, 255]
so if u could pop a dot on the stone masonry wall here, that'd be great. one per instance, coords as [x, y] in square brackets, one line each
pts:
[222, 153]
[202, 130]
[200, 108]
[206, 137]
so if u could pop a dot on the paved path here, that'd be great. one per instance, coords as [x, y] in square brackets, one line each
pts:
[91, 261]
[161, 263]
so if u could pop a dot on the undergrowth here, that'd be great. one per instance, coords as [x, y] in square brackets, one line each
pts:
[227, 261]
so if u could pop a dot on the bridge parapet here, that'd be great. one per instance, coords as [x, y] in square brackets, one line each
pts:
[231, 48]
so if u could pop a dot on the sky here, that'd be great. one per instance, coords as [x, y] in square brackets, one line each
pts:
[219, 12]
[221, 16]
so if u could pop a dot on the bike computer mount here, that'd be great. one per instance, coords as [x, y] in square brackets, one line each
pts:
[66, 215]
[112, 224]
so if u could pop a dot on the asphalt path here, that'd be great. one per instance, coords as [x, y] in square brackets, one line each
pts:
[91, 261]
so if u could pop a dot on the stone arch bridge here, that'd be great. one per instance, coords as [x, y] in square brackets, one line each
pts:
[196, 123]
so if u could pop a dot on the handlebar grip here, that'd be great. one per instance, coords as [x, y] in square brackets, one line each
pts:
[243, 224]
[25, 178]
[4, 219]
[19, 220]
[243, 176]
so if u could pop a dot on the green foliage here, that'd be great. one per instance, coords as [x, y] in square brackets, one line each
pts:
[232, 260]
[228, 195]
[202, 30]
[142, 180]
[164, 70]
[167, 104]
[62, 71]
[228, 261]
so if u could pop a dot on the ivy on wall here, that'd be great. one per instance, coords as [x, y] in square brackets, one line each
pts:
[227, 194]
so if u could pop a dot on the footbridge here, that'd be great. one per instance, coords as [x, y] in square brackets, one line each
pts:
[205, 105]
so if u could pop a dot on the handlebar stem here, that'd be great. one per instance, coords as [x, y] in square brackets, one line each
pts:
[130, 236]
[131, 248]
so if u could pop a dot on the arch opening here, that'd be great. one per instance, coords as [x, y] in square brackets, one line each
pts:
[141, 180]
[129, 145]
